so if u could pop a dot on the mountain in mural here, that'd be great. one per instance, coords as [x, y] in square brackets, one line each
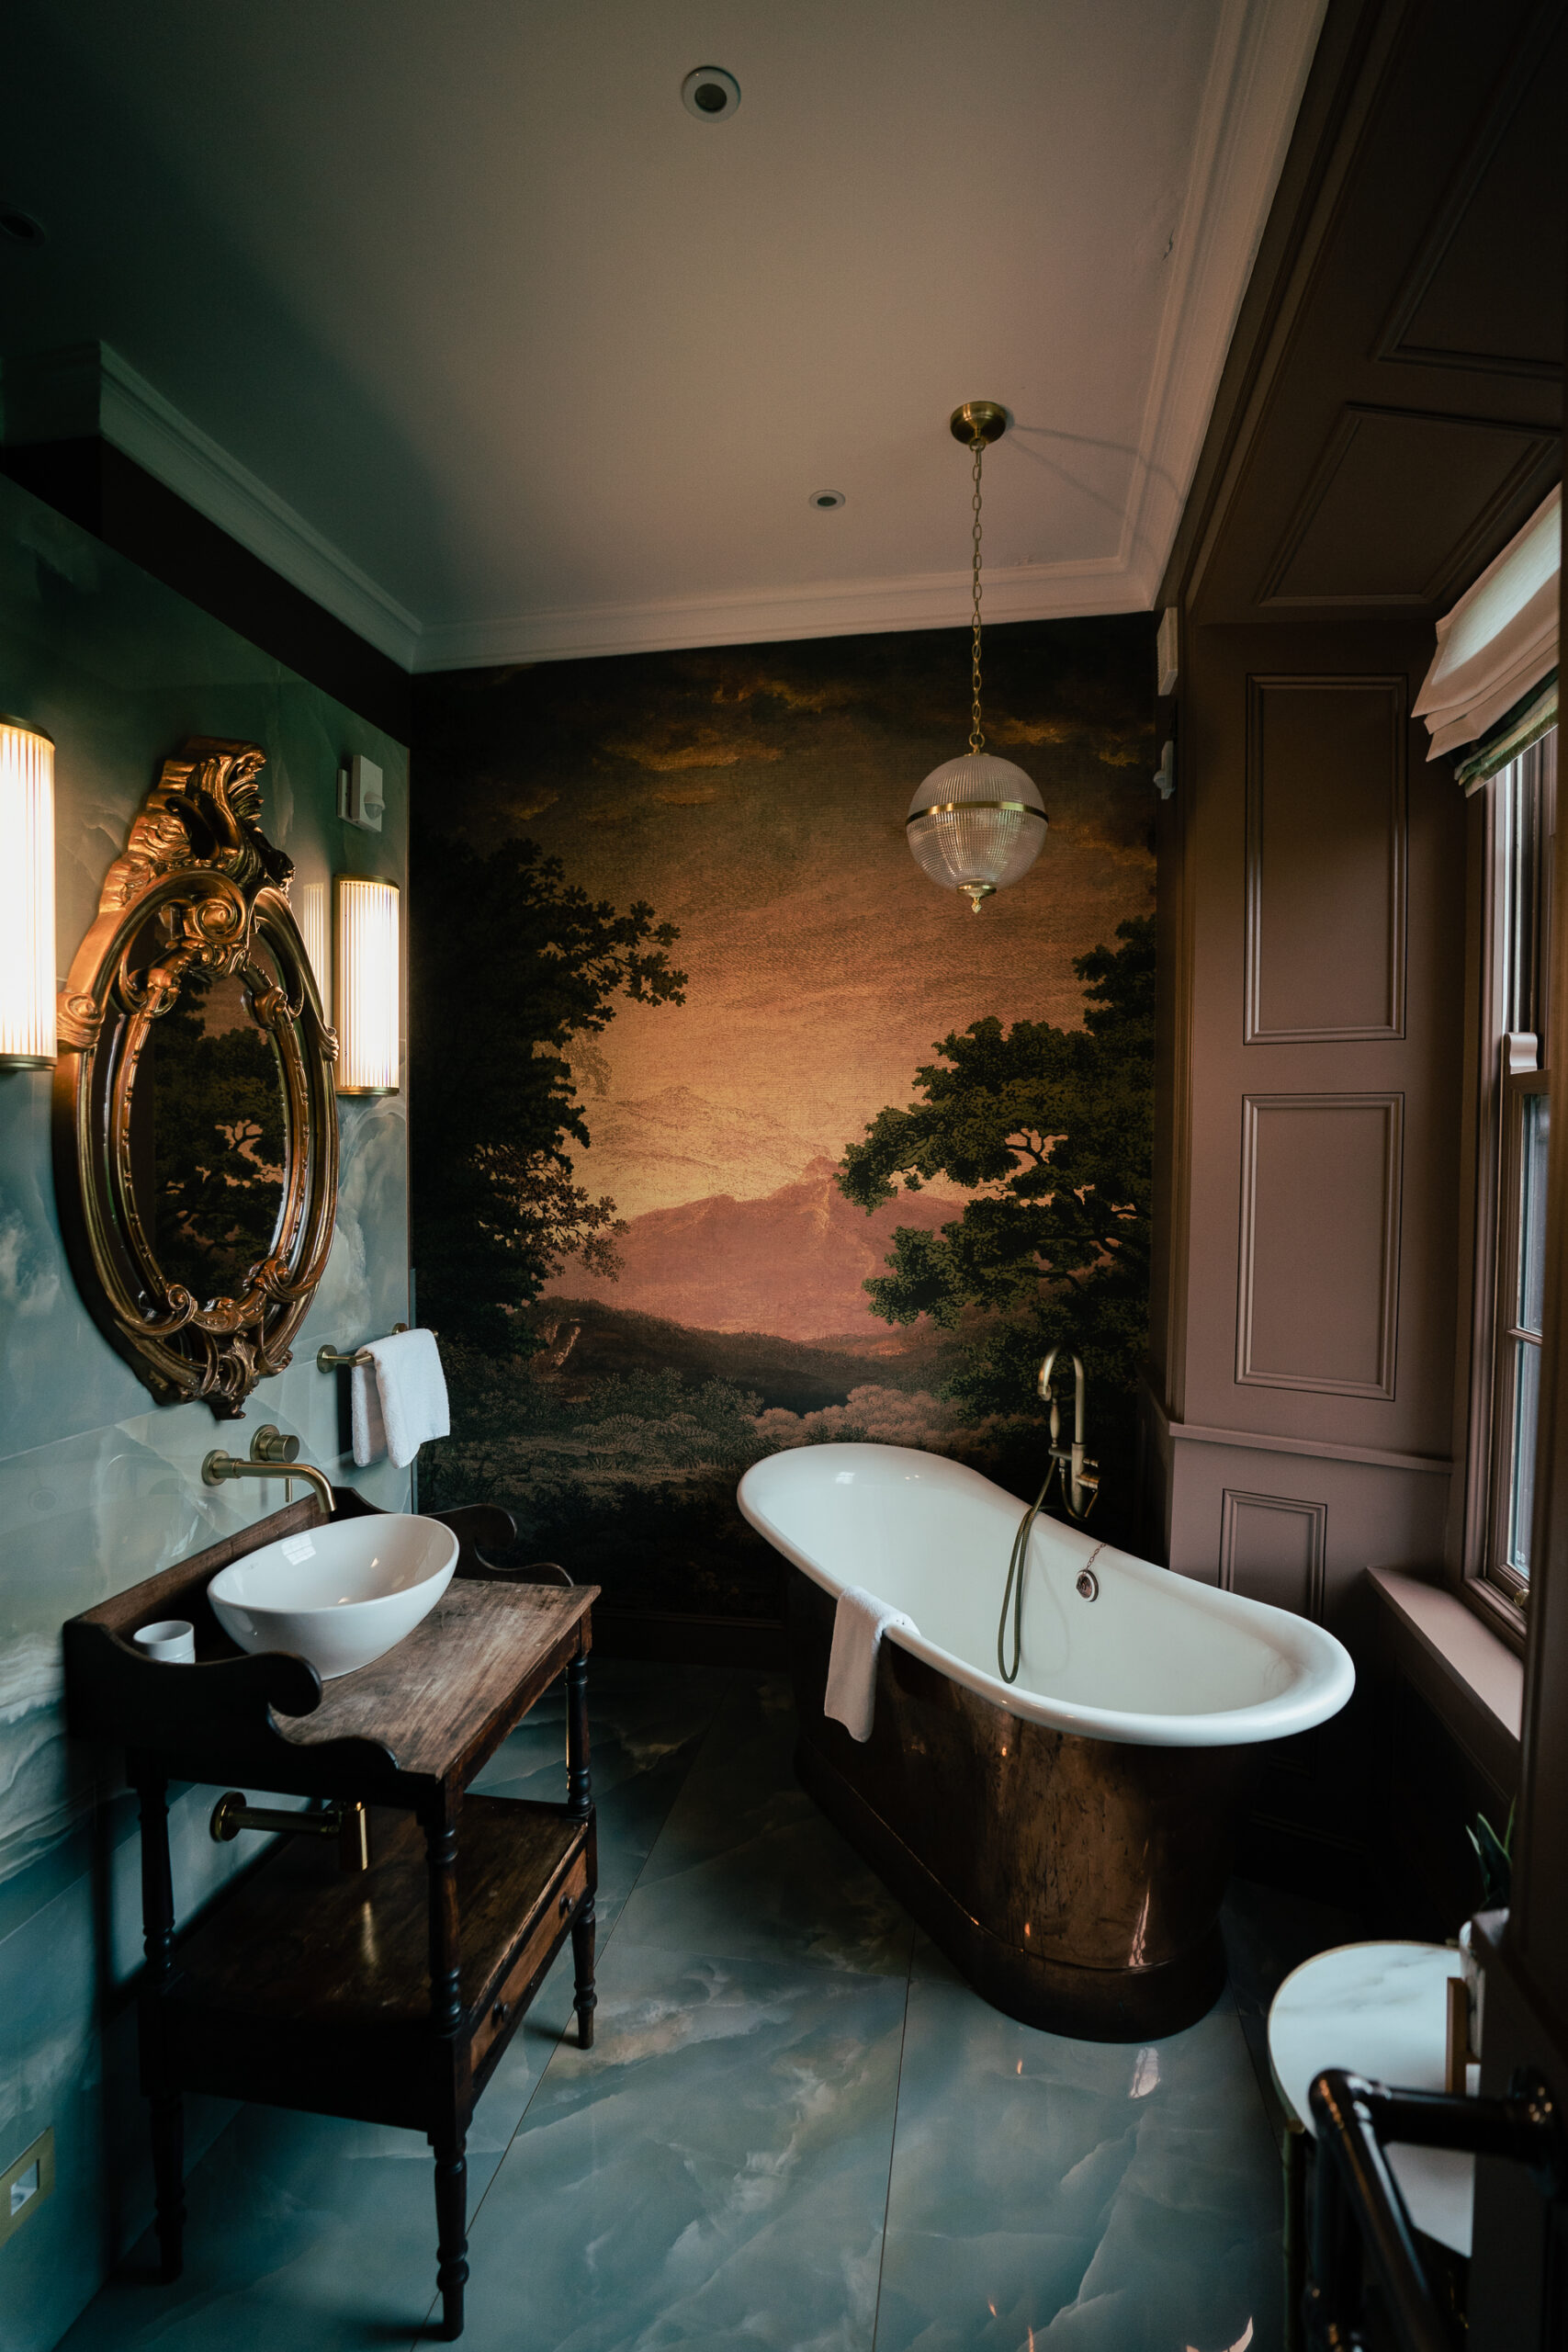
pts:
[790, 1262]
[677, 1145]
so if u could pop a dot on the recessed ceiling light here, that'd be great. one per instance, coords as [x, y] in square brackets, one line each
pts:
[710, 92]
[825, 498]
[20, 226]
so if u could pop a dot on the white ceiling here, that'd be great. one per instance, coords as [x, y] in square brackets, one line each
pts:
[460, 317]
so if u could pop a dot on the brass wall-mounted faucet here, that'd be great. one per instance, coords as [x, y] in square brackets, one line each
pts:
[1080, 1476]
[1080, 1483]
[272, 1455]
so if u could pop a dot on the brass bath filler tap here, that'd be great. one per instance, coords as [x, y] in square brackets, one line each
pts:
[1081, 1485]
[1080, 1476]
[272, 1455]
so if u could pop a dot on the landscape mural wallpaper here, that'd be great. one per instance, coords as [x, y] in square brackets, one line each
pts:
[729, 1131]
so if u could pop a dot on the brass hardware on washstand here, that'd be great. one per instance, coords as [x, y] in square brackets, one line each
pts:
[270, 1458]
[349, 1824]
[1080, 1483]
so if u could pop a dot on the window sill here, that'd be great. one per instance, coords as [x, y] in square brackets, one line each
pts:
[1467, 1672]
[1500, 1615]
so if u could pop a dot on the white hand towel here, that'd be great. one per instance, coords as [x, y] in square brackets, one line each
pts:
[399, 1398]
[859, 1624]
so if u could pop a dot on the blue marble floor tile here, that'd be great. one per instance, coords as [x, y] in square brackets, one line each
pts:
[646, 1723]
[747, 1868]
[1053, 2194]
[714, 2172]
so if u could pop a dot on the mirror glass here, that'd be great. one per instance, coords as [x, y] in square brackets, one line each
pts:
[208, 1138]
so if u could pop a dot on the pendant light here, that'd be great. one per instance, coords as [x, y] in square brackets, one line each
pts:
[977, 823]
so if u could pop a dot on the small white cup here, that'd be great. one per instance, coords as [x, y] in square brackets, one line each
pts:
[172, 1641]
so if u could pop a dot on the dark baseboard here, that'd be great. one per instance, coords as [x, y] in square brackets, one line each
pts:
[98, 487]
[666, 1637]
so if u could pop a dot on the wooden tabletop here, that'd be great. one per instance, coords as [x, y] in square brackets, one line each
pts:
[451, 1689]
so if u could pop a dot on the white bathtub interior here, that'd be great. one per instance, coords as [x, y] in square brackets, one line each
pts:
[1155, 1657]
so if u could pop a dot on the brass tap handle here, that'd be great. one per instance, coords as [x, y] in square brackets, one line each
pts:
[269, 1444]
[348, 1823]
[231, 1813]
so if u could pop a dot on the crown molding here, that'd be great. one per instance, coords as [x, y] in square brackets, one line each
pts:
[760, 617]
[89, 389]
[1263, 53]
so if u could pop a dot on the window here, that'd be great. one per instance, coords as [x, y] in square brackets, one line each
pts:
[1522, 810]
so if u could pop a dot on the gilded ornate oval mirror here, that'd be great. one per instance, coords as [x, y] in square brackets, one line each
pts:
[196, 1121]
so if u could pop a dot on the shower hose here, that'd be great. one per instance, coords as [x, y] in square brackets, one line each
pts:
[1013, 1596]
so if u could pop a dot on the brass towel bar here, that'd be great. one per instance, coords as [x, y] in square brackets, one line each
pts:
[331, 1360]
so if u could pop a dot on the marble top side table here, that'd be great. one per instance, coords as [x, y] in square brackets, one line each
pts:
[1379, 2010]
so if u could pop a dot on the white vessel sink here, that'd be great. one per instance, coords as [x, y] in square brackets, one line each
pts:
[339, 1595]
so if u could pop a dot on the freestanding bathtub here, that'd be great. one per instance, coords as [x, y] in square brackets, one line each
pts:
[1066, 1840]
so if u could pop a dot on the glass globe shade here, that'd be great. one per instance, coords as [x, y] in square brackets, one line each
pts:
[976, 824]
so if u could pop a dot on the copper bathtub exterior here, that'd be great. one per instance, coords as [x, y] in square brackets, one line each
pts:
[1075, 1883]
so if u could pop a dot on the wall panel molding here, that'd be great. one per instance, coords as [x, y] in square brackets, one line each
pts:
[1310, 977]
[1264, 1558]
[1440, 256]
[1369, 502]
[1319, 1257]
[1309, 1448]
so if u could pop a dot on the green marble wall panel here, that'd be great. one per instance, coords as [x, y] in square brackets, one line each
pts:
[98, 1486]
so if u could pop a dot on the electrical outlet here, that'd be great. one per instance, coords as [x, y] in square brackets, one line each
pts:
[26, 2184]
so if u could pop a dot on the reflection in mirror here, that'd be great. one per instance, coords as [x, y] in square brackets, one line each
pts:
[207, 1138]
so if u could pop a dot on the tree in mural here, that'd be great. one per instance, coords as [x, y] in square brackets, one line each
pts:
[1053, 1130]
[513, 964]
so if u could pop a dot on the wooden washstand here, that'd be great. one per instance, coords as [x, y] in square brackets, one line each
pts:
[383, 1989]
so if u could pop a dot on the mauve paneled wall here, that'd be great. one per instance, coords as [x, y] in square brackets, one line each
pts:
[1314, 866]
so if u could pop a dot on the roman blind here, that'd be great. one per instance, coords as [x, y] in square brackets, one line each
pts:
[1492, 687]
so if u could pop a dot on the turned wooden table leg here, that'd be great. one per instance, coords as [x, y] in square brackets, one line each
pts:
[158, 1943]
[445, 2020]
[452, 2235]
[585, 1999]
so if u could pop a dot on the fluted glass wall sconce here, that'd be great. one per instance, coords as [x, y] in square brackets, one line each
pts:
[311, 909]
[28, 976]
[365, 958]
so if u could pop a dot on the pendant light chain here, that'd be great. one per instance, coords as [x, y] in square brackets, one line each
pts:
[976, 739]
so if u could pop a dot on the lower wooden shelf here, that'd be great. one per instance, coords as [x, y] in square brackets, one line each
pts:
[309, 1989]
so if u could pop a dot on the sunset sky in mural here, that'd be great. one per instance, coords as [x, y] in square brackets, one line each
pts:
[756, 797]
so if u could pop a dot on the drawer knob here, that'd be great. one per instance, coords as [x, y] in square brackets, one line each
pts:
[565, 1901]
[500, 2014]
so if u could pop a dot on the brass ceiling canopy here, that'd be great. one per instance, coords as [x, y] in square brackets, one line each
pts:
[978, 421]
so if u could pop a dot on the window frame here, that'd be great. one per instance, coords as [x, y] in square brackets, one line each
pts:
[1512, 1064]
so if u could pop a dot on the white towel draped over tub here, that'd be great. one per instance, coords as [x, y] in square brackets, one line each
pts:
[399, 1398]
[859, 1622]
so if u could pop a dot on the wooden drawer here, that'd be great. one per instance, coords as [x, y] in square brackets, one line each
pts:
[503, 2008]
